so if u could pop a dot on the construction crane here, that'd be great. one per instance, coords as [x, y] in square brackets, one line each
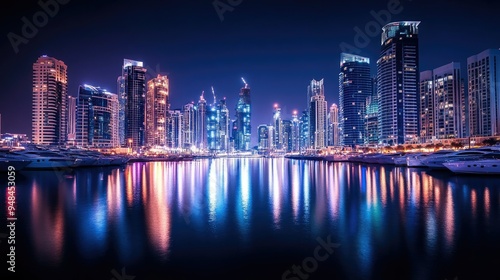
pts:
[246, 85]
[213, 92]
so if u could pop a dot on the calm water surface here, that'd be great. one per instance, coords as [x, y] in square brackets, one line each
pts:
[255, 219]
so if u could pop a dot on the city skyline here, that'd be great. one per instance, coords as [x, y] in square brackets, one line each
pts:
[277, 71]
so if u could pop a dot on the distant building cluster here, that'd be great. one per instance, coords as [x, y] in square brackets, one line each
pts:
[398, 105]
[138, 116]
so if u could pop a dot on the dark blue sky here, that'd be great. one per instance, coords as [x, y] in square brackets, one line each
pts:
[277, 46]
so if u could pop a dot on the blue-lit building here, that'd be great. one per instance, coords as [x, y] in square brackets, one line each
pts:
[201, 124]
[132, 103]
[264, 143]
[295, 132]
[355, 87]
[213, 132]
[304, 141]
[243, 124]
[398, 84]
[96, 118]
[317, 115]
[287, 136]
[277, 142]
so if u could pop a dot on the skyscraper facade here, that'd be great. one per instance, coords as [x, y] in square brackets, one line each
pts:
[174, 129]
[71, 116]
[224, 125]
[243, 117]
[442, 108]
[295, 132]
[483, 72]
[355, 86]
[157, 107]
[96, 118]
[189, 125]
[278, 128]
[305, 140]
[213, 131]
[263, 132]
[50, 82]
[397, 84]
[317, 116]
[201, 124]
[333, 126]
[287, 136]
[132, 86]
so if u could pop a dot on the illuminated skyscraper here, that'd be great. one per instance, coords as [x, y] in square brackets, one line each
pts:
[295, 132]
[174, 129]
[188, 125]
[132, 100]
[157, 107]
[213, 132]
[243, 117]
[201, 124]
[287, 136]
[442, 108]
[333, 126]
[278, 128]
[224, 125]
[263, 132]
[355, 86]
[50, 95]
[397, 84]
[71, 115]
[96, 118]
[305, 140]
[483, 71]
[317, 116]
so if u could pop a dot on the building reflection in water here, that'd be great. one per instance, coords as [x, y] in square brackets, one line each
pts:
[137, 209]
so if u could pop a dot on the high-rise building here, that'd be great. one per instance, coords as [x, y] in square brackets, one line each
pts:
[295, 132]
[132, 100]
[174, 129]
[50, 82]
[201, 124]
[333, 126]
[213, 132]
[483, 72]
[442, 108]
[189, 125]
[224, 125]
[355, 86]
[96, 118]
[305, 140]
[317, 116]
[287, 136]
[277, 143]
[243, 117]
[71, 115]
[263, 131]
[157, 107]
[397, 84]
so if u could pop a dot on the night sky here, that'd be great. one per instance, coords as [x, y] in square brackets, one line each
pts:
[277, 46]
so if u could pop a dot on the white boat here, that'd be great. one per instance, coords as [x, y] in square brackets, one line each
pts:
[415, 160]
[480, 167]
[18, 164]
[42, 159]
[436, 161]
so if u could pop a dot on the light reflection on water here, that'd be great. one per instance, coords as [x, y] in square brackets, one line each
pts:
[145, 210]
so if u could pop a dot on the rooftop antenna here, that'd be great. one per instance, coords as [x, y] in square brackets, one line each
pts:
[246, 85]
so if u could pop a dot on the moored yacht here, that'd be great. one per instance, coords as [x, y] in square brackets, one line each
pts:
[480, 167]
[436, 161]
[42, 159]
[18, 164]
